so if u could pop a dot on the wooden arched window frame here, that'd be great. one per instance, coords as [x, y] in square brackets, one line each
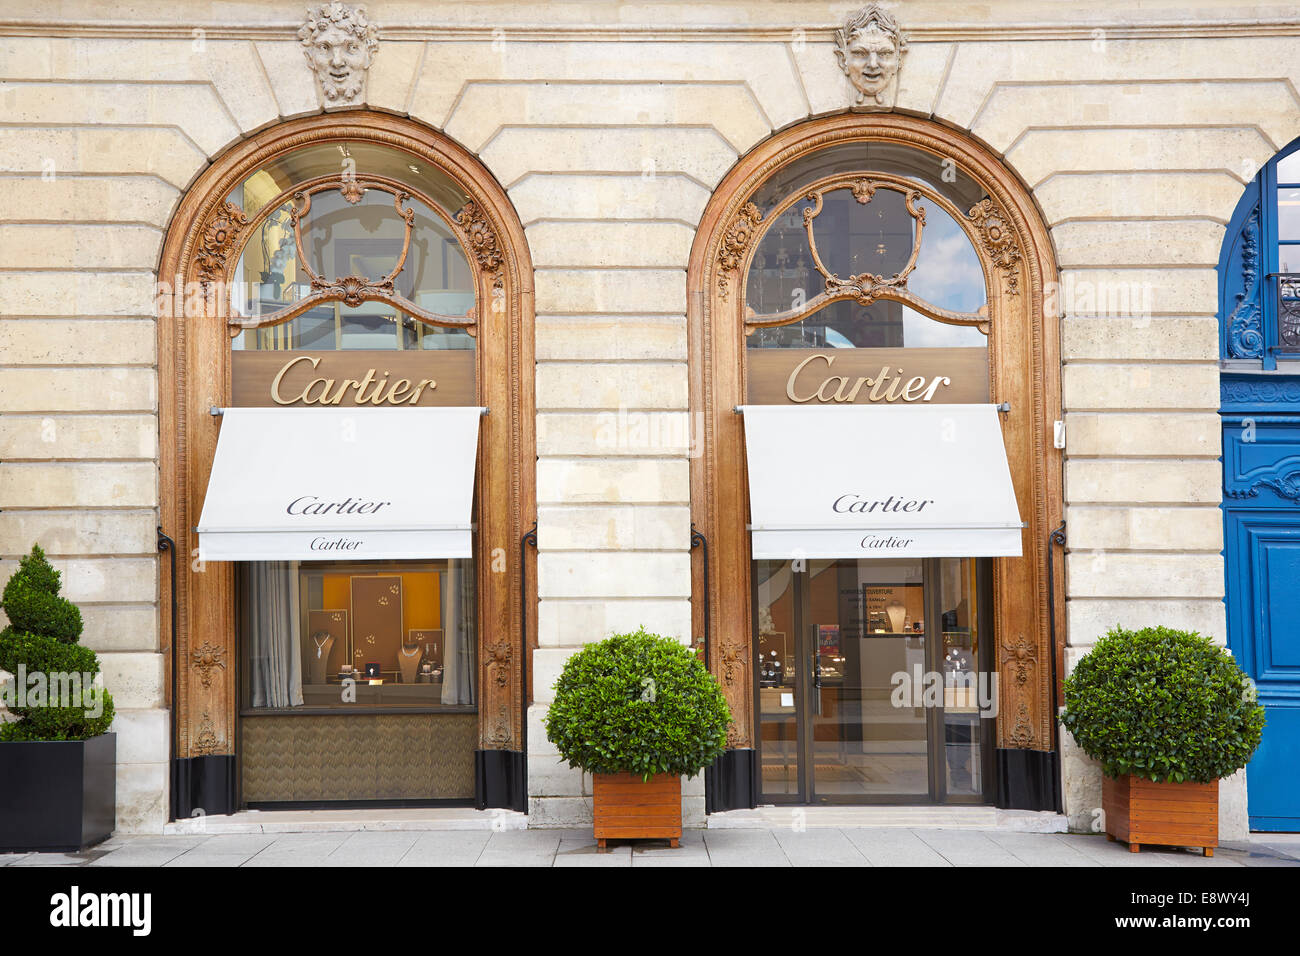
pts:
[194, 338]
[1020, 270]
[355, 289]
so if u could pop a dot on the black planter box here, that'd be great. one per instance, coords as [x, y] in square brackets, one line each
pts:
[57, 794]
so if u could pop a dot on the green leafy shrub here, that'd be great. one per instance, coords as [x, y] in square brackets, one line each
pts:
[1164, 705]
[638, 703]
[41, 639]
[32, 603]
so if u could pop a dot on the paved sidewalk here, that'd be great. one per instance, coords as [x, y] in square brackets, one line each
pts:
[876, 846]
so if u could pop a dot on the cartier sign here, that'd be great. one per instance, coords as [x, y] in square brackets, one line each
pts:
[367, 379]
[868, 376]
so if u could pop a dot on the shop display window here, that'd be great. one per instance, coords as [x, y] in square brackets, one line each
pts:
[342, 636]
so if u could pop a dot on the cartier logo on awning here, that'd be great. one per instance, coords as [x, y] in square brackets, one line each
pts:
[855, 504]
[949, 492]
[289, 484]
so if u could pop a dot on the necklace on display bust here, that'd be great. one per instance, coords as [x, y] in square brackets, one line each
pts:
[320, 639]
[412, 653]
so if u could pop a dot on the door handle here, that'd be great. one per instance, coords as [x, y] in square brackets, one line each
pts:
[816, 695]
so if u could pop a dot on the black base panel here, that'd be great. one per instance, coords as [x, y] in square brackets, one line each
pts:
[57, 795]
[1027, 780]
[205, 784]
[500, 780]
[730, 783]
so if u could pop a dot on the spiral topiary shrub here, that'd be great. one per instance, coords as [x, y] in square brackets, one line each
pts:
[40, 646]
[638, 703]
[1163, 705]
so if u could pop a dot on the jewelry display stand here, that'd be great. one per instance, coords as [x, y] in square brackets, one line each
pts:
[322, 642]
[333, 621]
[408, 662]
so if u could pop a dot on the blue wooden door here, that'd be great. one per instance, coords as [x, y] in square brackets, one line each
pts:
[1261, 460]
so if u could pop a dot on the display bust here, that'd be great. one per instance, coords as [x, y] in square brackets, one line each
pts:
[870, 50]
[340, 43]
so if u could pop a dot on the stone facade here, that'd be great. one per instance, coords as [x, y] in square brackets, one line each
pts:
[1136, 130]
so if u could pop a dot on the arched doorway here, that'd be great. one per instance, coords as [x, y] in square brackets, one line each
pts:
[930, 183]
[364, 250]
[1259, 336]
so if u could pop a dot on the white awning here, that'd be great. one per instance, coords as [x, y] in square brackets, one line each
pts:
[873, 481]
[327, 484]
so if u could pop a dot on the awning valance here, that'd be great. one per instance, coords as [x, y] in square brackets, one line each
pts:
[341, 483]
[873, 481]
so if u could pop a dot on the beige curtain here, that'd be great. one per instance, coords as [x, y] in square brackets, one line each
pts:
[459, 677]
[269, 618]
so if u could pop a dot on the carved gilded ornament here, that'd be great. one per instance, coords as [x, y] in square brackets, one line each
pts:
[1022, 733]
[206, 659]
[218, 239]
[482, 240]
[734, 658]
[498, 662]
[998, 241]
[870, 49]
[352, 191]
[340, 42]
[865, 287]
[735, 241]
[1021, 656]
[733, 662]
[206, 743]
[1018, 661]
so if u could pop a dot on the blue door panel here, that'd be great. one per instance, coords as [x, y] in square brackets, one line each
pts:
[1273, 776]
[1262, 560]
[1276, 644]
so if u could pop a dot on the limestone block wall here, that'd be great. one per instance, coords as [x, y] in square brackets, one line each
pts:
[1135, 130]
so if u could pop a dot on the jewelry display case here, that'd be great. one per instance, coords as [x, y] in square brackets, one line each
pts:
[376, 623]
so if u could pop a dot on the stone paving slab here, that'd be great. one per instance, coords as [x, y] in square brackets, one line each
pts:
[821, 846]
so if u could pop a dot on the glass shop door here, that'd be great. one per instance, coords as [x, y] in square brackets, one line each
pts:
[873, 681]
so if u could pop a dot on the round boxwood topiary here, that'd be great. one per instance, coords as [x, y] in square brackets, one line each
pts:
[59, 700]
[638, 703]
[1164, 705]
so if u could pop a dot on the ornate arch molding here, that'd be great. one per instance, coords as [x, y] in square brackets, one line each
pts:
[1016, 254]
[200, 249]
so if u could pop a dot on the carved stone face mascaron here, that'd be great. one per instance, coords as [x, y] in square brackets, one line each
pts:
[340, 60]
[871, 62]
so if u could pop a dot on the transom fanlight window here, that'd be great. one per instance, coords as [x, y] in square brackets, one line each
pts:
[1259, 268]
[352, 246]
[861, 249]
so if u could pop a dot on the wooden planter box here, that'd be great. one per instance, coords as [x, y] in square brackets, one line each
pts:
[1139, 811]
[57, 794]
[629, 808]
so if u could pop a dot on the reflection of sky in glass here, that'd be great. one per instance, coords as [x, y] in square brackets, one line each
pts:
[948, 272]
[924, 333]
